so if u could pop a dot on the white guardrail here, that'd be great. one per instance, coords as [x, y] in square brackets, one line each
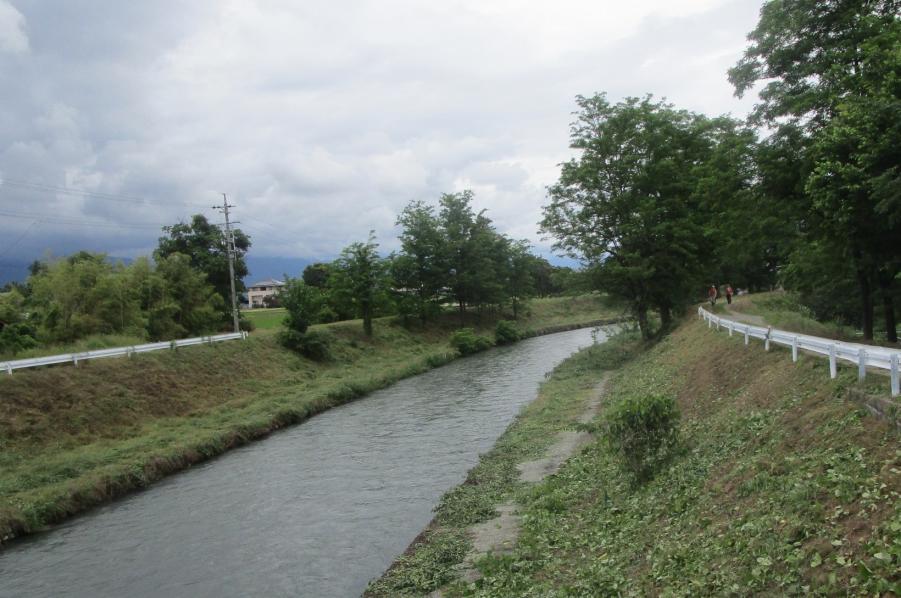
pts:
[864, 356]
[74, 358]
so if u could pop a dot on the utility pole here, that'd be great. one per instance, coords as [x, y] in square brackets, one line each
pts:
[230, 249]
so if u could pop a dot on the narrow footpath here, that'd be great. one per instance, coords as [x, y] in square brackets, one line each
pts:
[499, 535]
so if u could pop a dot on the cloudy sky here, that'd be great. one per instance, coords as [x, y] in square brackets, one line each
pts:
[321, 120]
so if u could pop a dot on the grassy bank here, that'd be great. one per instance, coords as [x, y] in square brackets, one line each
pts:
[784, 487]
[71, 438]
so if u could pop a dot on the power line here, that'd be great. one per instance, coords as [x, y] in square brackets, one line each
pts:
[230, 247]
[74, 222]
[18, 239]
[93, 194]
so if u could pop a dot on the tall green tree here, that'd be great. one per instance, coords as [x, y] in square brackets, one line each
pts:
[520, 277]
[420, 270]
[832, 70]
[204, 244]
[626, 204]
[360, 275]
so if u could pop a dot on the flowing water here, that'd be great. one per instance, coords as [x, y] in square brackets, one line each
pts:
[315, 510]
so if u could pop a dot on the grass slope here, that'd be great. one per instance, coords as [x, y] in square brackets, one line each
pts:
[785, 487]
[71, 438]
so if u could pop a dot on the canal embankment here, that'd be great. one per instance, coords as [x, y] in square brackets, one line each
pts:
[782, 486]
[75, 438]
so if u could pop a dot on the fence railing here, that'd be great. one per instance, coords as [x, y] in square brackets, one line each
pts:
[863, 356]
[74, 358]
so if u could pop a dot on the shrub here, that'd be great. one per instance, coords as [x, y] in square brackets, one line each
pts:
[643, 431]
[505, 332]
[246, 325]
[467, 342]
[312, 344]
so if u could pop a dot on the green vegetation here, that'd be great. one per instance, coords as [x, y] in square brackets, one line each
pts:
[505, 332]
[662, 202]
[73, 437]
[784, 486]
[265, 318]
[785, 311]
[643, 431]
[467, 342]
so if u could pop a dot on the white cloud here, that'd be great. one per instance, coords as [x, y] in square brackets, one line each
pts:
[322, 120]
[13, 38]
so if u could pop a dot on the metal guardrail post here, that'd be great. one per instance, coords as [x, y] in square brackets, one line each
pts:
[894, 372]
[795, 349]
[731, 328]
[9, 369]
[766, 341]
[833, 367]
[861, 363]
[709, 322]
[747, 334]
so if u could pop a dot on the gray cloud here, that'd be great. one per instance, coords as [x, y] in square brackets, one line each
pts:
[320, 121]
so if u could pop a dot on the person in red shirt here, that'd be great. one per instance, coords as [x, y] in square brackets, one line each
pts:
[729, 294]
[711, 294]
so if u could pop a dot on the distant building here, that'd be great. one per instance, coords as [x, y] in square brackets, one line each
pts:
[258, 291]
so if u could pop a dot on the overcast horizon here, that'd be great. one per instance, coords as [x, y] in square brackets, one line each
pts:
[320, 121]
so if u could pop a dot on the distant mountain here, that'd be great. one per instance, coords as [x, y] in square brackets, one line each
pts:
[262, 268]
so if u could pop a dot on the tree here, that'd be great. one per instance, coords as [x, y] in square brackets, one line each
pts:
[84, 294]
[832, 72]
[316, 275]
[204, 244]
[420, 270]
[302, 303]
[520, 281]
[626, 204]
[360, 276]
[185, 303]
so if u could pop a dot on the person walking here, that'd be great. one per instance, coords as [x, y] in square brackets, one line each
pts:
[711, 294]
[729, 294]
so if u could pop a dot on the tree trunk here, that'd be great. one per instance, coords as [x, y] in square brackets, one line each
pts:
[866, 303]
[666, 318]
[515, 310]
[462, 313]
[641, 312]
[888, 307]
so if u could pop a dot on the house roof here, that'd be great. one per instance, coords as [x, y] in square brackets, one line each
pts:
[269, 282]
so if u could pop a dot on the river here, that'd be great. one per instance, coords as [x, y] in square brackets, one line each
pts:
[315, 510]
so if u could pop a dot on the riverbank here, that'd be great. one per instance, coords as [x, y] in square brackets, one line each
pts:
[74, 438]
[785, 486]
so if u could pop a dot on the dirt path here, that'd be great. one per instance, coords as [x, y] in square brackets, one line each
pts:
[499, 535]
[745, 318]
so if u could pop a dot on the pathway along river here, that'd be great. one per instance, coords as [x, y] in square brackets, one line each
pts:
[315, 510]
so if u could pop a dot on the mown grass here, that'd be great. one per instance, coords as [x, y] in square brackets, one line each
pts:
[785, 487]
[73, 437]
[265, 318]
[783, 311]
[90, 343]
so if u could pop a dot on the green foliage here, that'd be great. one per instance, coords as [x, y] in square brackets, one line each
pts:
[467, 342]
[643, 430]
[427, 569]
[360, 279]
[15, 338]
[204, 244]
[832, 72]
[312, 344]
[628, 203]
[302, 303]
[505, 332]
